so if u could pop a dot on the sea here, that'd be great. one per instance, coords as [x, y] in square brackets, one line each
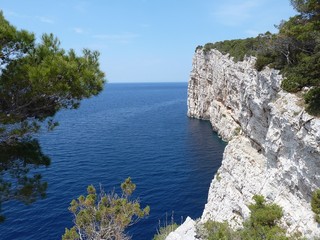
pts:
[137, 130]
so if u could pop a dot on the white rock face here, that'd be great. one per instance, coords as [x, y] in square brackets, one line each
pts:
[187, 231]
[274, 145]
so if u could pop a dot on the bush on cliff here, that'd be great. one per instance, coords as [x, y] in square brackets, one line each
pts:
[165, 228]
[315, 205]
[164, 231]
[217, 230]
[238, 48]
[262, 224]
[295, 50]
[263, 220]
[104, 216]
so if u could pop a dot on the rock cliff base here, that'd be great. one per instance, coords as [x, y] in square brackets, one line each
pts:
[273, 144]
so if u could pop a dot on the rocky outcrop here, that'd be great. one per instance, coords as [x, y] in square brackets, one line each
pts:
[187, 231]
[273, 144]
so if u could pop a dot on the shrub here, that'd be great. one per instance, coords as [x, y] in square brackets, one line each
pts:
[207, 47]
[166, 229]
[315, 204]
[295, 50]
[262, 61]
[104, 216]
[238, 48]
[218, 177]
[262, 224]
[290, 85]
[218, 230]
[312, 98]
[237, 131]
[263, 214]
[163, 232]
[198, 47]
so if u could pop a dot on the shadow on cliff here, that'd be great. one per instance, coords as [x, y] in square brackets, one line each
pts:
[18, 177]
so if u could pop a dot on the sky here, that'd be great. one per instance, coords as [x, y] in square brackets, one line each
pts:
[145, 40]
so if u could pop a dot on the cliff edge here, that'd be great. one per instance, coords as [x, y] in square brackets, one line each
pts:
[273, 144]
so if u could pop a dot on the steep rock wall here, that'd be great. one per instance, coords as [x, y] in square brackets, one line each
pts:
[274, 145]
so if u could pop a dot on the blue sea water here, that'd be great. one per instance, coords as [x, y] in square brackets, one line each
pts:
[136, 130]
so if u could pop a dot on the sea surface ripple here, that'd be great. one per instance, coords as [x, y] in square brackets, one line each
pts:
[136, 130]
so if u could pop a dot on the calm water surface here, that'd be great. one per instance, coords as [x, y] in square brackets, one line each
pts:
[136, 130]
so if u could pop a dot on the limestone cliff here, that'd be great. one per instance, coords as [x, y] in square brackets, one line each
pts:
[273, 144]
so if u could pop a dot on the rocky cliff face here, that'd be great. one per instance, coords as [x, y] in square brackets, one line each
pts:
[273, 144]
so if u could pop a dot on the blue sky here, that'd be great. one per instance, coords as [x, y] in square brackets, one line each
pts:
[145, 40]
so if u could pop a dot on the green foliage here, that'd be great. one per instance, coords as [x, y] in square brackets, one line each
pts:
[71, 234]
[38, 80]
[263, 232]
[218, 177]
[219, 231]
[199, 47]
[13, 43]
[105, 216]
[128, 187]
[237, 131]
[163, 232]
[315, 204]
[263, 60]
[264, 214]
[312, 98]
[295, 50]
[262, 224]
[310, 8]
[207, 47]
[238, 48]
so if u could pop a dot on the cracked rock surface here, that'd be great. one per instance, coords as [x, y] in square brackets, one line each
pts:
[273, 144]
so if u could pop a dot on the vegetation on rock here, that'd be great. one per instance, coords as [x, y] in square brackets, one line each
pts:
[263, 221]
[262, 224]
[295, 50]
[315, 204]
[238, 48]
[105, 216]
[216, 230]
[164, 231]
[166, 228]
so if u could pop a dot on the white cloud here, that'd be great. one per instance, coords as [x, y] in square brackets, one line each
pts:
[10, 13]
[16, 15]
[236, 12]
[81, 7]
[122, 37]
[44, 19]
[78, 30]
